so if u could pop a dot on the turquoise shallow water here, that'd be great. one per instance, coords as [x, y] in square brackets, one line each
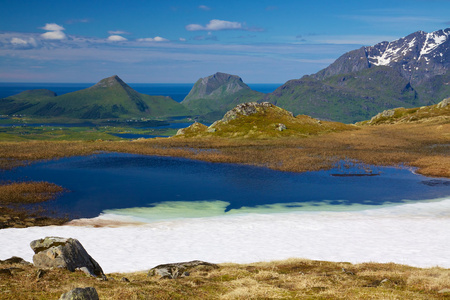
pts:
[153, 187]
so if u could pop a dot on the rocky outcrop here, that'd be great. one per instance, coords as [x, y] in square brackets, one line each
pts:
[182, 269]
[193, 129]
[88, 293]
[384, 114]
[67, 253]
[246, 109]
[443, 103]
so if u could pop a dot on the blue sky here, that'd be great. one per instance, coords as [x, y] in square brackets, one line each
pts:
[176, 41]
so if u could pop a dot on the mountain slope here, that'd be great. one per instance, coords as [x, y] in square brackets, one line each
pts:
[212, 96]
[411, 71]
[109, 98]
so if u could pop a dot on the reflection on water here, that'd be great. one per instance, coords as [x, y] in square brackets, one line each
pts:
[182, 187]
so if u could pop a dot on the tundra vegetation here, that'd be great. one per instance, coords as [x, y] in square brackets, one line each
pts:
[287, 279]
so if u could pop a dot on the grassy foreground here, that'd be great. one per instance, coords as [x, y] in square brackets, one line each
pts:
[288, 279]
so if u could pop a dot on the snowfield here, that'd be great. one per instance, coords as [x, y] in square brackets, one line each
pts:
[415, 234]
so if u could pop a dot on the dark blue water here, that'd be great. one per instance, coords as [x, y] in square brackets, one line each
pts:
[177, 91]
[115, 181]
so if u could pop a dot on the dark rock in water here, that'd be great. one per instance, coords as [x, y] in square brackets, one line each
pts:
[355, 175]
[176, 270]
[14, 260]
[88, 293]
[436, 182]
[67, 253]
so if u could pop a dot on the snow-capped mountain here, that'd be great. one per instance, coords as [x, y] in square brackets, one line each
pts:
[417, 57]
[412, 71]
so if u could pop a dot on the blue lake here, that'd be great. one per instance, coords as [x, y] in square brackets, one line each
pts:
[121, 183]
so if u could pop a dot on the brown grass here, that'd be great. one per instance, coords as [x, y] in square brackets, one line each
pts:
[425, 146]
[28, 192]
[288, 279]
[13, 195]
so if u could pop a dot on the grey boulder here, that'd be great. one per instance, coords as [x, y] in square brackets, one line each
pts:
[88, 293]
[67, 253]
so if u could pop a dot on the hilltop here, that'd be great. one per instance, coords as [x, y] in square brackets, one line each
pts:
[262, 120]
[212, 96]
[110, 98]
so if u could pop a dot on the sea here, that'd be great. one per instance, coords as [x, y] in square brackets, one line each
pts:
[177, 91]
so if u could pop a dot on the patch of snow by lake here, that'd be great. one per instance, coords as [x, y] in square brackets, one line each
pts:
[415, 234]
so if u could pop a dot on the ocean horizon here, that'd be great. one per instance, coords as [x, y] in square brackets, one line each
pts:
[177, 91]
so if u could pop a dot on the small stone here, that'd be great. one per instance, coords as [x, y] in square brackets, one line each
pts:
[444, 291]
[175, 270]
[88, 293]
[5, 272]
[124, 279]
[15, 260]
[40, 273]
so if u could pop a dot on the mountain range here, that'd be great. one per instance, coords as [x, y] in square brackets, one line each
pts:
[409, 72]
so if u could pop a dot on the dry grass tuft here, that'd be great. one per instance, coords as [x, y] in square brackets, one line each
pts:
[290, 279]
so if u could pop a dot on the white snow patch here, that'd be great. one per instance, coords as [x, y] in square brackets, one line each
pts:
[433, 40]
[415, 234]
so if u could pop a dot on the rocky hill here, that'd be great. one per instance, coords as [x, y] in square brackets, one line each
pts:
[110, 98]
[261, 121]
[435, 114]
[212, 96]
[409, 72]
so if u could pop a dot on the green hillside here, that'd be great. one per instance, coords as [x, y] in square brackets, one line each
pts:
[111, 98]
[348, 97]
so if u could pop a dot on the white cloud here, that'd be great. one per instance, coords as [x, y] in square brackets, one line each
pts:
[54, 35]
[52, 27]
[118, 32]
[18, 41]
[54, 32]
[155, 39]
[116, 38]
[204, 7]
[182, 39]
[215, 25]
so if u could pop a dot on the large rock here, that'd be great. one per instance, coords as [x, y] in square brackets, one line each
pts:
[443, 103]
[176, 270]
[67, 253]
[88, 293]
